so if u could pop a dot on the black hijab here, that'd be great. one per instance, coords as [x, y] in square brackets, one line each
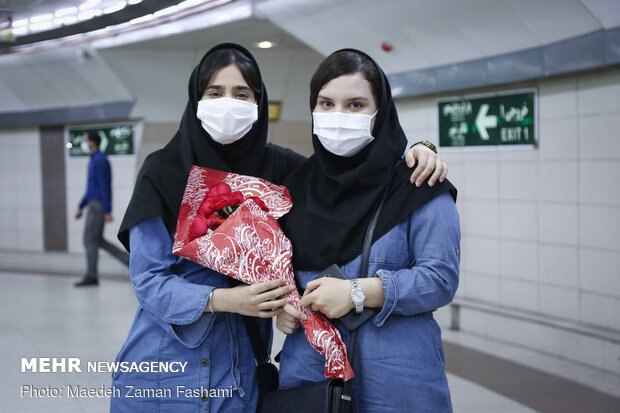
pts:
[161, 181]
[334, 196]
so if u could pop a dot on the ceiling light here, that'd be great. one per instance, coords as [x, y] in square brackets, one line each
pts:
[69, 20]
[89, 14]
[118, 6]
[38, 27]
[132, 2]
[189, 3]
[89, 4]
[66, 11]
[167, 10]
[20, 23]
[265, 44]
[20, 31]
[41, 18]
[142, 19]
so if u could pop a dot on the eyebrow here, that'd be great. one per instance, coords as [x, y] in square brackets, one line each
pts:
[328, 98]
[240, 87]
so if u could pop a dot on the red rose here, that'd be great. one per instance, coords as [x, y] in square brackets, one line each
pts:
[198, 228]
[219, 189]
[236, 198]
[214, 221]
[205, 208]
[218, 202]
[212, 204]
[260, 203]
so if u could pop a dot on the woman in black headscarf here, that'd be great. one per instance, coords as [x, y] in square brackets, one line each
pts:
[414, 260]
[187, 313]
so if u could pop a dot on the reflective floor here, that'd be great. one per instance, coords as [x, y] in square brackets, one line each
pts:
[44, 315]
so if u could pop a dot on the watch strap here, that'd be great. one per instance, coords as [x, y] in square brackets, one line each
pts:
[426, 143]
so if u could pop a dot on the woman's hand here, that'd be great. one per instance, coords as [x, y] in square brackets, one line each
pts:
[257, 300]
[330, 296]
[428, 161]
[290, 319]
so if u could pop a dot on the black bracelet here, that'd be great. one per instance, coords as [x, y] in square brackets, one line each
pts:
[427, 144]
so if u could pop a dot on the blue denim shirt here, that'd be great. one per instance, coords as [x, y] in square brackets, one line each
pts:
[399, 364]
[171, 325]
[99, 184]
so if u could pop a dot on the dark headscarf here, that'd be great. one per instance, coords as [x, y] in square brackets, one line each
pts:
[334, 196]
[161, 181]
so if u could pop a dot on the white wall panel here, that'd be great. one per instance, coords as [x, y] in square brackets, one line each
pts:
[555, 248]
[557, 181]
[21, 211]
[558, 223]
[599, 94]
[518, 181]
[519, 260]
[557, 99]
[518, 220]
[598, 181]
[599, 226]
[519, 294]
[559, 302]
[559, 265]
[558, 138]
[599, 271]
[598, 136]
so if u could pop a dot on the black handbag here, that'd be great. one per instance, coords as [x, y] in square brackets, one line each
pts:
[329, 396]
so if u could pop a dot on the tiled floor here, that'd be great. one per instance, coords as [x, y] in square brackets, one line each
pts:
[43, 315]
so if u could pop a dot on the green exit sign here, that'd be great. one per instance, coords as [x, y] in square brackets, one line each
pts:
[115, 139]
[492, 120]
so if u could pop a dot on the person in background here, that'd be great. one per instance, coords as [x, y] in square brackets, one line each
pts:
[98, 204]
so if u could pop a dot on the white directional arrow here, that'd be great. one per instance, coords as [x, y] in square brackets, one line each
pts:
[483, 121]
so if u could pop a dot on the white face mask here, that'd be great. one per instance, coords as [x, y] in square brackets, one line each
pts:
[85, 147]
[343, 134]
[227, 120]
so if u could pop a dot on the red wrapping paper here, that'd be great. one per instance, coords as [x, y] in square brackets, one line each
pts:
[251, 247]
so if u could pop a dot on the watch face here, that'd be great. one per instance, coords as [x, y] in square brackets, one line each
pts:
[357, 296]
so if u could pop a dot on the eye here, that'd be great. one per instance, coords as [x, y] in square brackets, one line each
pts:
[214, 94]
[325, 104]
[356, 105]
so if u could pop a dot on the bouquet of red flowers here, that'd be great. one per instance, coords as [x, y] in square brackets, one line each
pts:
[228, 222]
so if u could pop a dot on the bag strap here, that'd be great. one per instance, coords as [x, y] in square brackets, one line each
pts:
[347, 405]
[258, 345]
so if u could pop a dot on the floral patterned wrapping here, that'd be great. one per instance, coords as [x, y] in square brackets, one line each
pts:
[251, 247]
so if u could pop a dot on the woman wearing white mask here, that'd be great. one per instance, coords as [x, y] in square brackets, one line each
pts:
[414, 259]
[187, 313]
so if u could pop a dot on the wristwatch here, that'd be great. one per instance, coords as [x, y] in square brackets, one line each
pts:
[357, 295]
[428, 144]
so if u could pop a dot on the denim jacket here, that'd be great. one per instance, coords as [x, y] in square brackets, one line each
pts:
[171, 325]
[399, 364]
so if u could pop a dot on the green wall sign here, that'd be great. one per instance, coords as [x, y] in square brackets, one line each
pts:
[506, 119]
[115, 139]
